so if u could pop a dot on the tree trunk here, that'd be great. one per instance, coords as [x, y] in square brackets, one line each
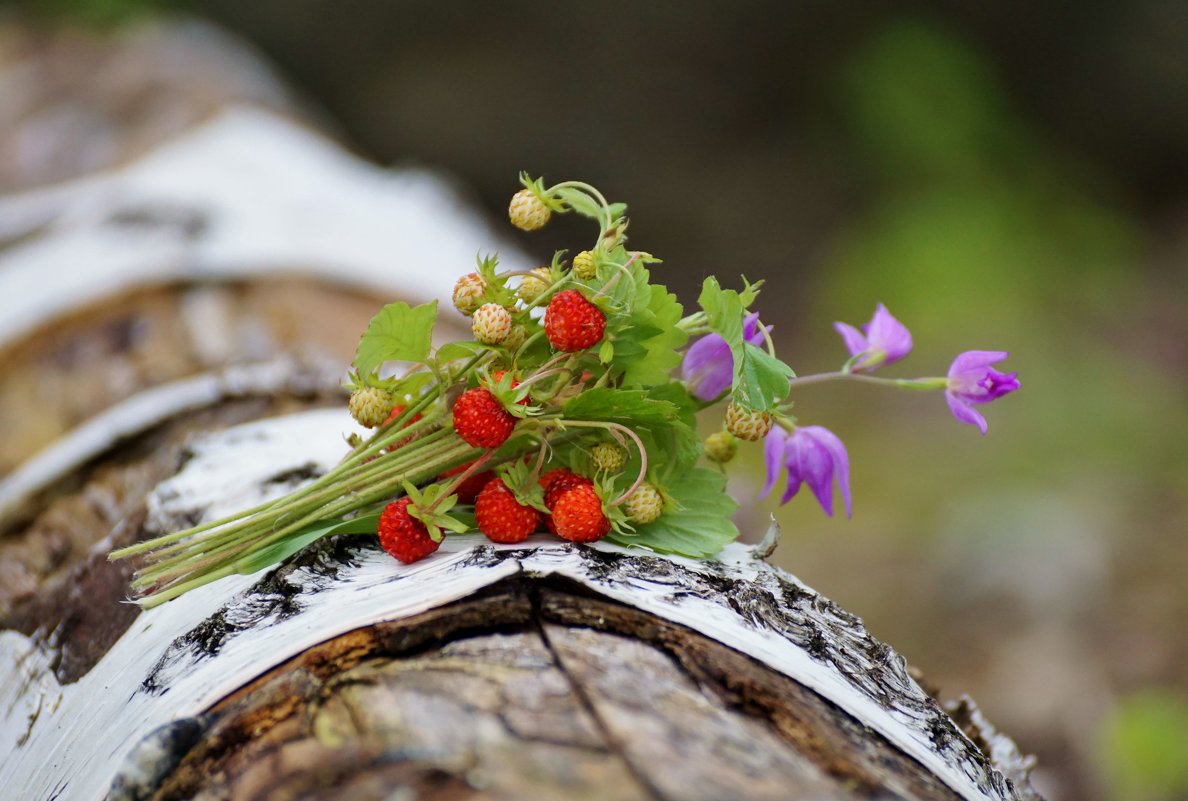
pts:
[542, 670]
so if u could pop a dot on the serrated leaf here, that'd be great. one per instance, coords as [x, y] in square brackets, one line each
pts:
[696, 522]
[453, 351]
[631, 407]
[396, 333]
[647, 346]
[581, 203]
[763, 380]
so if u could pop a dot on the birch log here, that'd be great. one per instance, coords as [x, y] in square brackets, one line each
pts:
[542, 670]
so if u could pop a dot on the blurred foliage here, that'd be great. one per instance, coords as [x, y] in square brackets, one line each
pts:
[1143, 748]
[101, 13]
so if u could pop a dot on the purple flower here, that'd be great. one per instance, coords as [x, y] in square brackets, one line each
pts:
[972, 381]
[708, 368]
[812, 455]
[885, 341]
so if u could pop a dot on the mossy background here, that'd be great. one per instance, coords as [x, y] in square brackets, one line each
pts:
[1003, 176]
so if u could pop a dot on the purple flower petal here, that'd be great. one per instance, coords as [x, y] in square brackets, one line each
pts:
[840, 459]
[751, 331]
[852, 337]
[812, 464]
[885, 341]
[708, 367]
[973, 364]
[888, 335]
[965, 413]
[773, 457]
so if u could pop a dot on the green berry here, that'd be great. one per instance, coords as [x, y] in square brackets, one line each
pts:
[721, 447]
[609, 457]
[644, 505]
[583, 265]
[370, 406]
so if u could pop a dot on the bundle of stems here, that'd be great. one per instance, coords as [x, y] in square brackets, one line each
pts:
[371, 474]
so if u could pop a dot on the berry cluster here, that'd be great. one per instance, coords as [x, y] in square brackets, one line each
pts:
[571, 410]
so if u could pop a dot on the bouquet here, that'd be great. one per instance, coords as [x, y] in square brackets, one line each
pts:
[572, 410]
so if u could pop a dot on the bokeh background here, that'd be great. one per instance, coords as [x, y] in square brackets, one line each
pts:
[1002, 175]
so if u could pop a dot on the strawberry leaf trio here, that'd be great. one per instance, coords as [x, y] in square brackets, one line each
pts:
[571, 410]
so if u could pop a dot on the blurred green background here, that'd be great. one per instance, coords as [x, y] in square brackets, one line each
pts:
[1003, 176]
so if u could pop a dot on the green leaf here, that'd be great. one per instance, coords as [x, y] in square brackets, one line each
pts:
[396, 333]
[647, 345]
[631, 407]
[606, 352]
[696, 522]
[763, 380]
[580, 202]
[282, 550]
[453, 351]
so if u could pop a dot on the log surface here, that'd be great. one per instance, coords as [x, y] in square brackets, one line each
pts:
[824, 704]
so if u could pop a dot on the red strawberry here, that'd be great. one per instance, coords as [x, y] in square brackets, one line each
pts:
[501, 517]
[559, 481]
[573, 323]
[480, 420]
[469, 489]
[402, 535]
[578, 515]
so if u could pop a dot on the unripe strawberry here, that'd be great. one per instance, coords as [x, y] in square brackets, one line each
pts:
[573, 323]
[515, 337]
[644, 505]
[468, 293]
[402, 535]
[501, 517]
[747, 424]
[720, 447]
[608, 456]
[480, 420]
[578, 516]
[370, 406]
[583, 265]
[491, 324]
[535, 284]
[527, 212]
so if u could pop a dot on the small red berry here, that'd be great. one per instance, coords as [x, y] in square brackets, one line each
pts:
[578, 516]
[573, 323]
[469, 489]
[501, 517]
[480, 420]
[402, 535]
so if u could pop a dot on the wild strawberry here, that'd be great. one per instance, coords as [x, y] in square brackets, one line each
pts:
[608, 456]
[720, 447]
[583, 265]
[573, 323]
[578, 515]
[501, 517]
[644, 505]
[480, 420]
[747, 424]
[491, 324]
[402, 535]
[468, 293]
[527, 212]
[535, 284]
[557, 481]
[469, 489]
[370, 406]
